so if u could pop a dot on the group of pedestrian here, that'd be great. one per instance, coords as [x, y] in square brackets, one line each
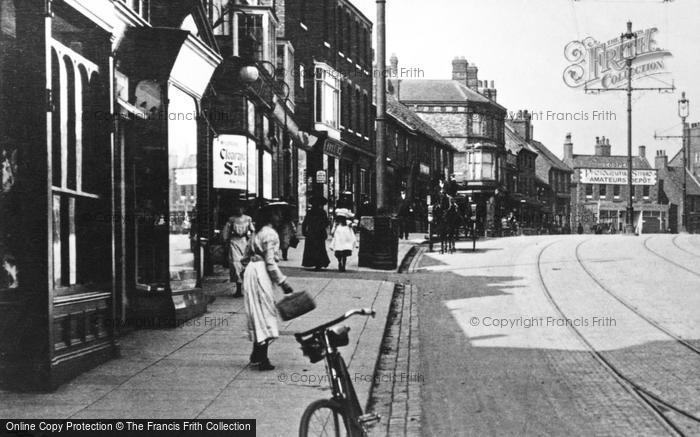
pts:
[254, 247]
[315, 231]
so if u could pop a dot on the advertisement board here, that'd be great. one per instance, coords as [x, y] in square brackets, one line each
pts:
[230, 162]
[605, 176]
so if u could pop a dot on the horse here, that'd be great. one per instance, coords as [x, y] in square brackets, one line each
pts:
[454, 221]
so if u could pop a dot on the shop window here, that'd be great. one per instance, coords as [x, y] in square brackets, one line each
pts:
[81, 224]
[327, 90]
[182, 177]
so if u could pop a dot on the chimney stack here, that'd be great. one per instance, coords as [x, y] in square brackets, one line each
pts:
[602, 146]
[472, 76]
[522, 124]
[459, 70]
[642, 151]
[568, 147]
[394, 69]
[661, 161]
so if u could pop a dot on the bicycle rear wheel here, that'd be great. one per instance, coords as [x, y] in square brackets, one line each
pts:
[324, 418]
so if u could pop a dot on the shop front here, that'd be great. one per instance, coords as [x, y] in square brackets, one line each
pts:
[56, 229]
[163, 76]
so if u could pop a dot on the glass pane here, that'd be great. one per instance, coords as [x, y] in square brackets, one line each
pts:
[182, 175]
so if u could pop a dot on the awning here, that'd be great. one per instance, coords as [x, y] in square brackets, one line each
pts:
[149, 52]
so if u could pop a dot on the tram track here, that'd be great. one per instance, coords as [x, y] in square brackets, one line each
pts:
[668, 260]
[675, 243]
[653, 403]
[629, 306]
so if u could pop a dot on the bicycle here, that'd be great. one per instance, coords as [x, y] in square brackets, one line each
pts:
[341, 415]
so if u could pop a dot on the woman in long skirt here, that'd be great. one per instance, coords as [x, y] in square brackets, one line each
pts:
[236, 233]
[261, 280]
[315, 230]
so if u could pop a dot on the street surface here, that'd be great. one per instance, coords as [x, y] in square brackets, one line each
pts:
[562, 335]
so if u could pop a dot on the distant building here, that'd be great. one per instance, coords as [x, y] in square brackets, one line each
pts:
[464, 111]
[671, 193]
[541, 193]
[599, 190]
[412, 146]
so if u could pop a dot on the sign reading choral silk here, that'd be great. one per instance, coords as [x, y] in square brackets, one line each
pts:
[596, 64]
[607, 176]
[230, 164]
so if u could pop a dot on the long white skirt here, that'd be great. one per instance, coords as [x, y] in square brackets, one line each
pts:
[259, 302]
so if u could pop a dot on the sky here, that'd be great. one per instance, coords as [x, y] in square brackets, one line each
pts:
[520, 44]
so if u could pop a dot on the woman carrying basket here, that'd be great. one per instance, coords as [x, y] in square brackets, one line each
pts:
[261, 280]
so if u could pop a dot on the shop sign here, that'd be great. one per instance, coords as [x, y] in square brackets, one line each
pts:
[321, 177]
[230, 164]
[333, 149]
[605, 176]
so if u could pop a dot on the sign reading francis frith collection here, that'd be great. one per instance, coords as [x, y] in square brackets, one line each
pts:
[595, 63]
[606, 176]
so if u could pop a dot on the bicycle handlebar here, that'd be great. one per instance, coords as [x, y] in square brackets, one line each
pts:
[362, 312]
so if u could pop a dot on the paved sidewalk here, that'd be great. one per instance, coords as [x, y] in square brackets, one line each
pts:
[200, 370]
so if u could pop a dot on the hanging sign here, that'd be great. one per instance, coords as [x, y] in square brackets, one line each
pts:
[230, 164]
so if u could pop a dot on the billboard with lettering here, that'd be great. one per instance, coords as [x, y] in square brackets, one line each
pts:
[607, 176]
[230, 164]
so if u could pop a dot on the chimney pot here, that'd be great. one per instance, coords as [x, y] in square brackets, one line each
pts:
[642, 151]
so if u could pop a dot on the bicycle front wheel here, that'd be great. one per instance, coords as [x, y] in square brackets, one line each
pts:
[323, 418]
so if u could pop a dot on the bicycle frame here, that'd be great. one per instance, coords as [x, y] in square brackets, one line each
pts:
[342, 388]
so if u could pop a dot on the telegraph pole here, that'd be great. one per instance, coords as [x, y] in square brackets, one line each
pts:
[628, 41]
[381, 106]
[683, 113]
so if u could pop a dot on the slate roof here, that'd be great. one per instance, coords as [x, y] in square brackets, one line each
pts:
[403, 114]
[440, 90]
[547, 160]
[514, 142]
[676, 176]
[595, 161]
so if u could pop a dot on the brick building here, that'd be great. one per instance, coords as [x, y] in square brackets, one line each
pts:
[111, 95]
[541, 193]
[411, 148]
[671, 193]
[464, 111]
[599, 191]
[332, 43]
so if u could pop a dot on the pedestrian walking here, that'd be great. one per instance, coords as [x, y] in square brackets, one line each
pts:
[405, 214]
[261, 281]
[287, 229]
[315, 229]
[343, 242]
[579, 229]
[236, 234]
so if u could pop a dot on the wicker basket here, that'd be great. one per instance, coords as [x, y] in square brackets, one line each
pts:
[295, 305]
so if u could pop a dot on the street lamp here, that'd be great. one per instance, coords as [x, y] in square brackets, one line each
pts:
[683, 112]
[628, 43]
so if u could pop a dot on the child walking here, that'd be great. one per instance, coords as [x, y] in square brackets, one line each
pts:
[343, 242]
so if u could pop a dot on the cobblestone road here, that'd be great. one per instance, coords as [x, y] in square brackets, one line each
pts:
[557, 335]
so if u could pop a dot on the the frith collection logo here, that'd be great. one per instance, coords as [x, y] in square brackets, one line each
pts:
[596, 64]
